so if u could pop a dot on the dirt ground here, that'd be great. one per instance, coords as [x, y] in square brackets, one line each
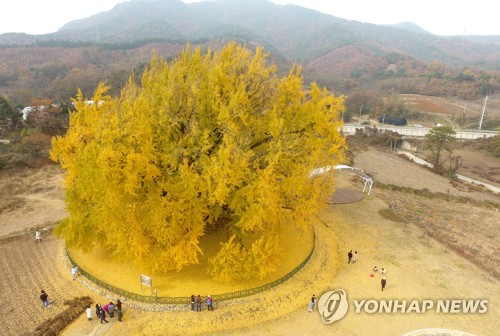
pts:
[478, 166]
[26, 268]
[474, 163]
[419, 266]
[30, 198]
[387, 168]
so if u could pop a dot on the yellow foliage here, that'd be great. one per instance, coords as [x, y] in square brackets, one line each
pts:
[213, 141]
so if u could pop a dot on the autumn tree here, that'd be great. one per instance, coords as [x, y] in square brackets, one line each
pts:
[363, 102]
[49, 119]
[212, 142]
[439, 139]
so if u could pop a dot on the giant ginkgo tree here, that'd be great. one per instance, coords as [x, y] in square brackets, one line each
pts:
[211, 141]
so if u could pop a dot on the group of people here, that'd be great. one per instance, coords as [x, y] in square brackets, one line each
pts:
[100, 311]
[382, 270]
[352, 257]
[383, 281]
[197, 300]
[109, 309]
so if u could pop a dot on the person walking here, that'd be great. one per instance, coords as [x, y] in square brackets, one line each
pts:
[111, 309]
[349, 255]
[38, 236]
[106, 308]
[355, 257]
[383, 282]
[74, 272]
[102, 315]
[118, 305]
[198, 303]
[209, 303]
[97, 310]
[312, 303]
[193, 300]
[89, 313]
[119, 312]
[44, 297]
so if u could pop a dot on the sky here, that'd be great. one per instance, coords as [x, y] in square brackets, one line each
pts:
[440, 17]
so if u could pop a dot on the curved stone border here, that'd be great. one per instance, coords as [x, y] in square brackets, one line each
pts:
[186, 300]
[437, 332]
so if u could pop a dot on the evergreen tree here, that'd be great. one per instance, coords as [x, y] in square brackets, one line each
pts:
[439, 139]
[9, 116]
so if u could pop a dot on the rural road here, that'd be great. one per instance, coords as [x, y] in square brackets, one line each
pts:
[421, 132]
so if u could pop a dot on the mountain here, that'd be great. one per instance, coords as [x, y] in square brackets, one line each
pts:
[297, 33]
[410, 26]
[341, 54]
[491, 39]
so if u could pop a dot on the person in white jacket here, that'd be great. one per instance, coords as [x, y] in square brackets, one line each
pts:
[355, 257]
[89, 313]
[74, 272]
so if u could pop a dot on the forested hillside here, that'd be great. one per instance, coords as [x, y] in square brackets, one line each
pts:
[346, 56]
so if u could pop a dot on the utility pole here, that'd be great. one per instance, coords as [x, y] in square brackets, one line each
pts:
[482, 113]
[360, 109]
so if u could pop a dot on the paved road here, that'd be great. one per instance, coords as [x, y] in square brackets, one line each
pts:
[421, 132]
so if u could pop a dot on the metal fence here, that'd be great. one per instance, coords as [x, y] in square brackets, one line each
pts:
[187, 300]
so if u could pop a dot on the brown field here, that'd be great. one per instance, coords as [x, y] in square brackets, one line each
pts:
[27, 268]
[440, 249]
[454, 106]
[475, 163]
[455, 112]
[478, 166]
